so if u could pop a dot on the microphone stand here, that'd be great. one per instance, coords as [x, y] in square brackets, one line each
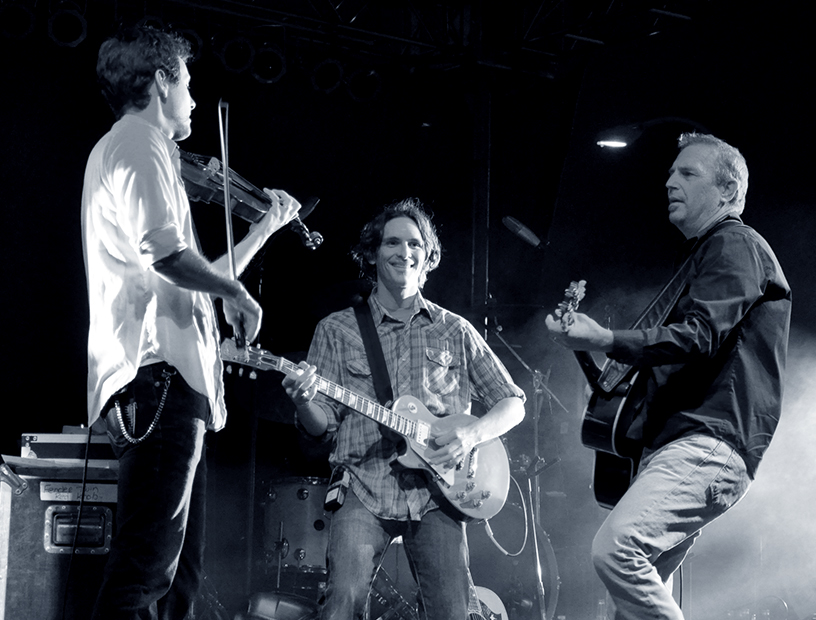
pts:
[539, 388]
[536, 467]
[538, 464]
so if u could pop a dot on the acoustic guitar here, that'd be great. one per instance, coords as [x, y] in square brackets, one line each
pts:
[610, 413]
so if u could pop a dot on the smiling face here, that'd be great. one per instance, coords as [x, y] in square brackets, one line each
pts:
[400, 259]
[694, 197]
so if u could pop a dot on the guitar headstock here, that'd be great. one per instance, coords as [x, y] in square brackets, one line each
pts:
[573, 295]
[254, 357]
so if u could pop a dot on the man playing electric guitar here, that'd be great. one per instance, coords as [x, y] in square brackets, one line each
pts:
[432, 355]
[715, 368]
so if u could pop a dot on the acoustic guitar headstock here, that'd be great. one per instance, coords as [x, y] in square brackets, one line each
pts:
[573, 295]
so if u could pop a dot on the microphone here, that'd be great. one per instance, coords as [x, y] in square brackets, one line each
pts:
[520, 230]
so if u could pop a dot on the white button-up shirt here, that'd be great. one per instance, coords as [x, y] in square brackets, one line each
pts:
[135, 212]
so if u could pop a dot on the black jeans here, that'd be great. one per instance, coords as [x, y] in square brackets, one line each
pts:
[157, 553]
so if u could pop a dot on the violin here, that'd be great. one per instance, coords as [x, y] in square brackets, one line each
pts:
[204, 182]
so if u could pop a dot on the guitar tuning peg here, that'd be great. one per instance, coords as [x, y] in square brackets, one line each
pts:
[241, 372]
[229, 369]
[253, 375]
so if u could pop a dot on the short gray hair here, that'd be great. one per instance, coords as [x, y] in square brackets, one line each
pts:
[729, 166]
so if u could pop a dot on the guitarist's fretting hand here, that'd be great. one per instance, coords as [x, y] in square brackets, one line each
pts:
[582, 334]
[301, 386]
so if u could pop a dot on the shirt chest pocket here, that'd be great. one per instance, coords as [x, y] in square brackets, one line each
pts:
[358, 376]
[441, 371]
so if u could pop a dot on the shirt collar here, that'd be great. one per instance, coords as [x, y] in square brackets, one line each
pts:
[418, 305]
[172, 146]
[712, 221]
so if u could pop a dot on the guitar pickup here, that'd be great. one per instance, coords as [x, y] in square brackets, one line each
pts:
[423, 434]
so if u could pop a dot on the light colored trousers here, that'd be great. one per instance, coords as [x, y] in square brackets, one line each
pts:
[679, 489]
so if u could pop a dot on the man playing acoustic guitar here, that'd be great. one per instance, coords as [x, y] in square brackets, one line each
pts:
[714, 370]
[433, 355]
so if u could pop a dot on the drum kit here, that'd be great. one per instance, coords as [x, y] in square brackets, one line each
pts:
[508, 553]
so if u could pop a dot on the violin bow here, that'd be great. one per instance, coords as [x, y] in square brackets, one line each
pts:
[223, 129]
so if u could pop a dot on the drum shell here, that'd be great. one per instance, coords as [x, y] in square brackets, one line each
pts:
[296, 528]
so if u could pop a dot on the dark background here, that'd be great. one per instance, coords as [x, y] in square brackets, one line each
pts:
[483, 112]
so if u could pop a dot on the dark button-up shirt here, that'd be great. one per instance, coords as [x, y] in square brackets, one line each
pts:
[717, 364]
[437, 357]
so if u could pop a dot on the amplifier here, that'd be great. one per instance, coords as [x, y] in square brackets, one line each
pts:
[39, 524]
[56, 446]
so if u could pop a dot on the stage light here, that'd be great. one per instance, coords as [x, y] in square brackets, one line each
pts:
[626, 135]
[67, 26]
[327, 75]
[237, 54]
[269, 65]
[17, 20]
[364, 84]
[619, 137]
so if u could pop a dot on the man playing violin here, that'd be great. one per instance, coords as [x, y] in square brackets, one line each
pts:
[154, 371]
[433, 355]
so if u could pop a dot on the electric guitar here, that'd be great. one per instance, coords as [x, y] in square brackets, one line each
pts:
[484, 604]
[618, 393]
[477, 486]
[491, 605]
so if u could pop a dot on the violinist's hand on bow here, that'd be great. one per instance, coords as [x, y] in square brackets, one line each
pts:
[282, 211]
[582, 333]
[244, 314]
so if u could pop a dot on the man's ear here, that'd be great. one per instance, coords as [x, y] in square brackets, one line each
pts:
[729, 191]
[162, 83]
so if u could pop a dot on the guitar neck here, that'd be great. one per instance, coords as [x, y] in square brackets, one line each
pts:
[400, 424]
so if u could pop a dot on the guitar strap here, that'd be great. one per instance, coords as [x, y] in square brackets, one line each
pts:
[657, 311]
[373, 349]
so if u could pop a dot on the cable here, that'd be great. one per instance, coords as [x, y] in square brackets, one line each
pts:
[78, 521]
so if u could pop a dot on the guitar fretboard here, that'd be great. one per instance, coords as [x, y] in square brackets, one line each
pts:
[416, 430]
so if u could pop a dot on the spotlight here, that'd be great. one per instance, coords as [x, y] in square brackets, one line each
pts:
[17, 20]
[327, 75]
[269, 65]
[66, 26]
[626, 135]
[364, 84]
[237, 54]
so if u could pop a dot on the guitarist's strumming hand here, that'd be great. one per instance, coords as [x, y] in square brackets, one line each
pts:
[453, 446]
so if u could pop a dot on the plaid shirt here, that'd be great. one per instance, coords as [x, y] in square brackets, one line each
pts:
[435, 356]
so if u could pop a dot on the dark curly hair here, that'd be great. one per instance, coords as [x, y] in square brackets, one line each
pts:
[128, 62]
[371, 237]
